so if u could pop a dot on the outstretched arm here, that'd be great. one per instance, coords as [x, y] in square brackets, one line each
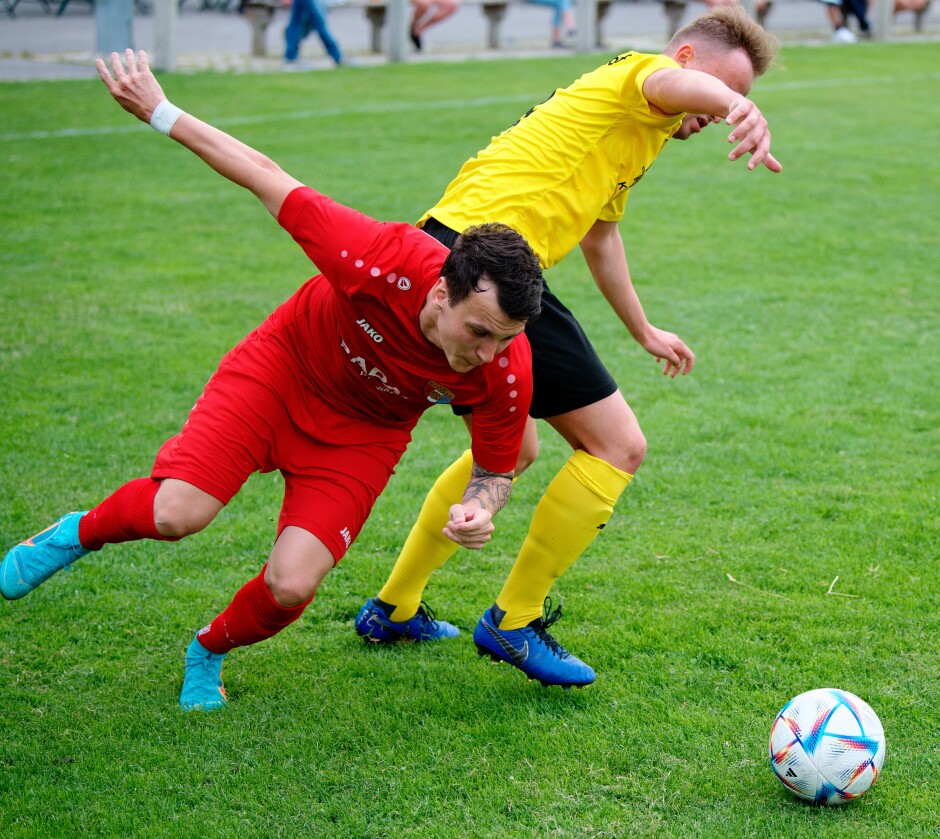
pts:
[471, 521]
[139, 93]
[675, 91]
[603, 251]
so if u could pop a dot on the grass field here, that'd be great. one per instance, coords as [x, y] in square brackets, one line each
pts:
[781, 536]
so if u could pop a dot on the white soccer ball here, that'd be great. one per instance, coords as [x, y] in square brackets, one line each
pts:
[827, 746]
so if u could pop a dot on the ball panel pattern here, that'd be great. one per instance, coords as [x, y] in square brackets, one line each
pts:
[827, 746]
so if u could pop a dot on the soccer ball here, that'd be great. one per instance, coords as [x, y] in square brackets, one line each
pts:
[827, 746]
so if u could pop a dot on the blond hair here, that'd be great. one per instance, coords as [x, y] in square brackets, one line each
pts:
[730, 28]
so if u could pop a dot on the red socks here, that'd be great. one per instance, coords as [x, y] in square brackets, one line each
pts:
[124, 516]
[252, 616]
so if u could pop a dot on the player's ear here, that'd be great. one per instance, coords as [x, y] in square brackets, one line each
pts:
[439, 293]
[684, 54]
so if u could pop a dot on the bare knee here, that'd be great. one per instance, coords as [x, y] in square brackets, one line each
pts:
[634, 453]
[296, 567]
[180, 509]
[607, 430]
[290, 586]
[625, 451]
[290, 591]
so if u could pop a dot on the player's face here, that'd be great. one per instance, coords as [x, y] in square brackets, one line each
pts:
[474, 331]
[733, 68]
[693, 124]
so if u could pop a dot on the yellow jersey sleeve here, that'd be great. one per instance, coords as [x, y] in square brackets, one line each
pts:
[567, 163]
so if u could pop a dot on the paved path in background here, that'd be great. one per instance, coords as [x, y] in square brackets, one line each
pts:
[36, 45]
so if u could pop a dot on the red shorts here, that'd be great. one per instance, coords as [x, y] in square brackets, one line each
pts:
[255, 415]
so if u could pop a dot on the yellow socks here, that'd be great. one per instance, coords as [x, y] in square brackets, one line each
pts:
[426, 549]
[574, 509]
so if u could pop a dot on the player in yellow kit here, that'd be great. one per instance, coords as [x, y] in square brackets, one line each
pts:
[561, 177]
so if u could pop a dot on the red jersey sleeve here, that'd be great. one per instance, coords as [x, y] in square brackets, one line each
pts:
[347, 246]
[499, 421]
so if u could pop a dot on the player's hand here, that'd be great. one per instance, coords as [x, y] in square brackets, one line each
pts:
[469, 527]
[134, 86]
[751, 135]
[669, 349]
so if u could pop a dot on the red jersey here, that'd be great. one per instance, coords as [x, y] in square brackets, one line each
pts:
[351, 335]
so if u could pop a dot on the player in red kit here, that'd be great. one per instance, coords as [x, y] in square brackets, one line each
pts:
[326, 390]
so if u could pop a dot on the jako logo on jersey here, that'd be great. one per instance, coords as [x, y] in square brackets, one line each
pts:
[622, 185]
[347, 538]
[367, 328]
[438, 394]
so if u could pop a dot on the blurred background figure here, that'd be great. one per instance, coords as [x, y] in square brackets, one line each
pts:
[307, 16]
[840, 11]
[563, 23]
[675, 10]
[427, 13]
[918, 7]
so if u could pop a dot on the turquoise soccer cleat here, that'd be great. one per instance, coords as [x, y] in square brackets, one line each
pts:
[373, 623]
[202, 680]
[531, 649]
[35, 560]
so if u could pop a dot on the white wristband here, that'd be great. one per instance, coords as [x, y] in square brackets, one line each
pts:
[163, 117]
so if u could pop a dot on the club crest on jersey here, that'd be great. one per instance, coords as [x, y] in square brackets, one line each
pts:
[438, 394]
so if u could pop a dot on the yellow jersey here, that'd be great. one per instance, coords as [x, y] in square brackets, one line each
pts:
[567, 163]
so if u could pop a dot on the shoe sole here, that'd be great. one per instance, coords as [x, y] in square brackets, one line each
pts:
[401, 639]
[495, 659]
[396, 638]
[389, 642]
[202, 706]
[367, 636]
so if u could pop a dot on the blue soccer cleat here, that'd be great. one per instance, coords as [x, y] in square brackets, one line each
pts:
[34, 561]
[531, 649]
[373, 623]
[202, 681]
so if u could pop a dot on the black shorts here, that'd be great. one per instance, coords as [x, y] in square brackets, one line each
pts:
[567, 372]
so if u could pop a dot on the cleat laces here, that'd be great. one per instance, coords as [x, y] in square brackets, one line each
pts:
[540, 627]
[427, 615]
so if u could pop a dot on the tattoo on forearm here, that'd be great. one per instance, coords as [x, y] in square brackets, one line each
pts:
[489, 489]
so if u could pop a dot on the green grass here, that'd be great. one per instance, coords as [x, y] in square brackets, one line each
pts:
[803, 448]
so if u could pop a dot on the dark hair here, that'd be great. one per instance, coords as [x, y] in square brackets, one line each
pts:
[731, 28]
[495, 253]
